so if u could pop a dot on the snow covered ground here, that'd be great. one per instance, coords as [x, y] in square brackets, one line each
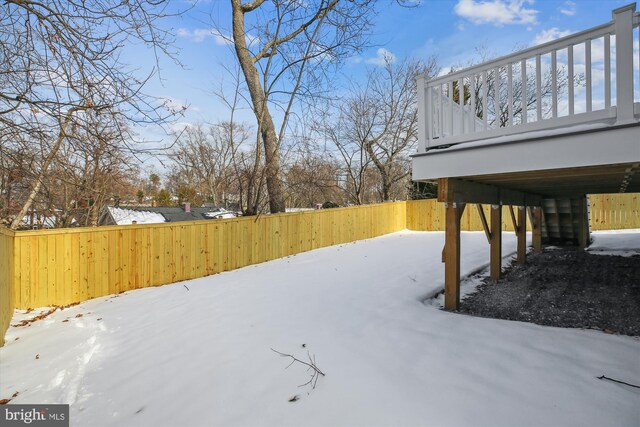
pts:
[199, 352]
[616, 242]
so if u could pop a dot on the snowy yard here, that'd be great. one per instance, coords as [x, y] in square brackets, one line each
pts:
[199, 352]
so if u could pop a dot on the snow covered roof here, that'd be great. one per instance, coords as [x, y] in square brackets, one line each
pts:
[219, 213]
[153, 215]
[299, 209]
[128, 216]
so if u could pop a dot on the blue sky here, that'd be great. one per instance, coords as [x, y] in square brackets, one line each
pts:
[450, 30]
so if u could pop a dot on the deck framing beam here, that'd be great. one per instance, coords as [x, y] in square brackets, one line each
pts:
[462, 191]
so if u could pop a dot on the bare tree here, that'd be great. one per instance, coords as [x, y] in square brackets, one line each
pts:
[355, 160]
[313, 178]
[205, 156]
[90, 170]
[18, 161]
[291, 45]
[217, 161]
[60, 68]
[377, 127]
[389, 127]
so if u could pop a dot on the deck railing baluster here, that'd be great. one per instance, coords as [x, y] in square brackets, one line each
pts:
[496, 98]
[510, 94]
[571, 81]
[554, 84]
[539, 87]
[607, 71]
[523, 90]
[440, 112]
[461, 104]
[450, 96]
[587, 66]
[485, 104]
[472, 105]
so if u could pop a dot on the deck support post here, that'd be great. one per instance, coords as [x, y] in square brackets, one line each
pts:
[452, 257]
[521, 234]
[496, 242]
[536, 232]
[455, 192]
[584, 237]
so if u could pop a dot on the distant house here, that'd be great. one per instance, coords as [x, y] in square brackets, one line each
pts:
[152, 215]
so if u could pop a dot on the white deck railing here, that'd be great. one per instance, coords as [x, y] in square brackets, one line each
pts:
[583, 78]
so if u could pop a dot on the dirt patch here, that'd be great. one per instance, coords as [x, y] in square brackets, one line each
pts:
[565, 287]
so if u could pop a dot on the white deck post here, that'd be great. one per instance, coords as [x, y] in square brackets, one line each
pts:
[423, 115]
[623, 22]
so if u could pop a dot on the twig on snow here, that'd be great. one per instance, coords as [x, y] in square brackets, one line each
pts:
[617, 381]
[311, 366]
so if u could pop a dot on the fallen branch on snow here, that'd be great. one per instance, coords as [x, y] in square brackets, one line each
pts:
[311, 366]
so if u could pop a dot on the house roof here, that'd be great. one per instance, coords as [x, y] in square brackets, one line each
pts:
[122, 216]
[152, 215]
[174, 214]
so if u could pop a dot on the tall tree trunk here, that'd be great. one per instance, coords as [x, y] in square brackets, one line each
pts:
[386, 187]
[261, 111]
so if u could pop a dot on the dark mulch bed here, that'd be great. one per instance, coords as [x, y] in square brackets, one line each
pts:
[565, 287]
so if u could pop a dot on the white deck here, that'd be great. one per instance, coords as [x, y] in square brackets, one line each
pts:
[572, 102]
[574, 147]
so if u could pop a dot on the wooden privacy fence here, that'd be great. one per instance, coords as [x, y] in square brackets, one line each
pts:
[607, 212]
[429, 215]
[62, 266]
[614, 211]
[58, 267]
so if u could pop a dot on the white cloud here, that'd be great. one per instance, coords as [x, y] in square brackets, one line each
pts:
[383, 56]
[178, 127]
[546, 36]
[568, 8]
[200, 34]
[496, 12]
